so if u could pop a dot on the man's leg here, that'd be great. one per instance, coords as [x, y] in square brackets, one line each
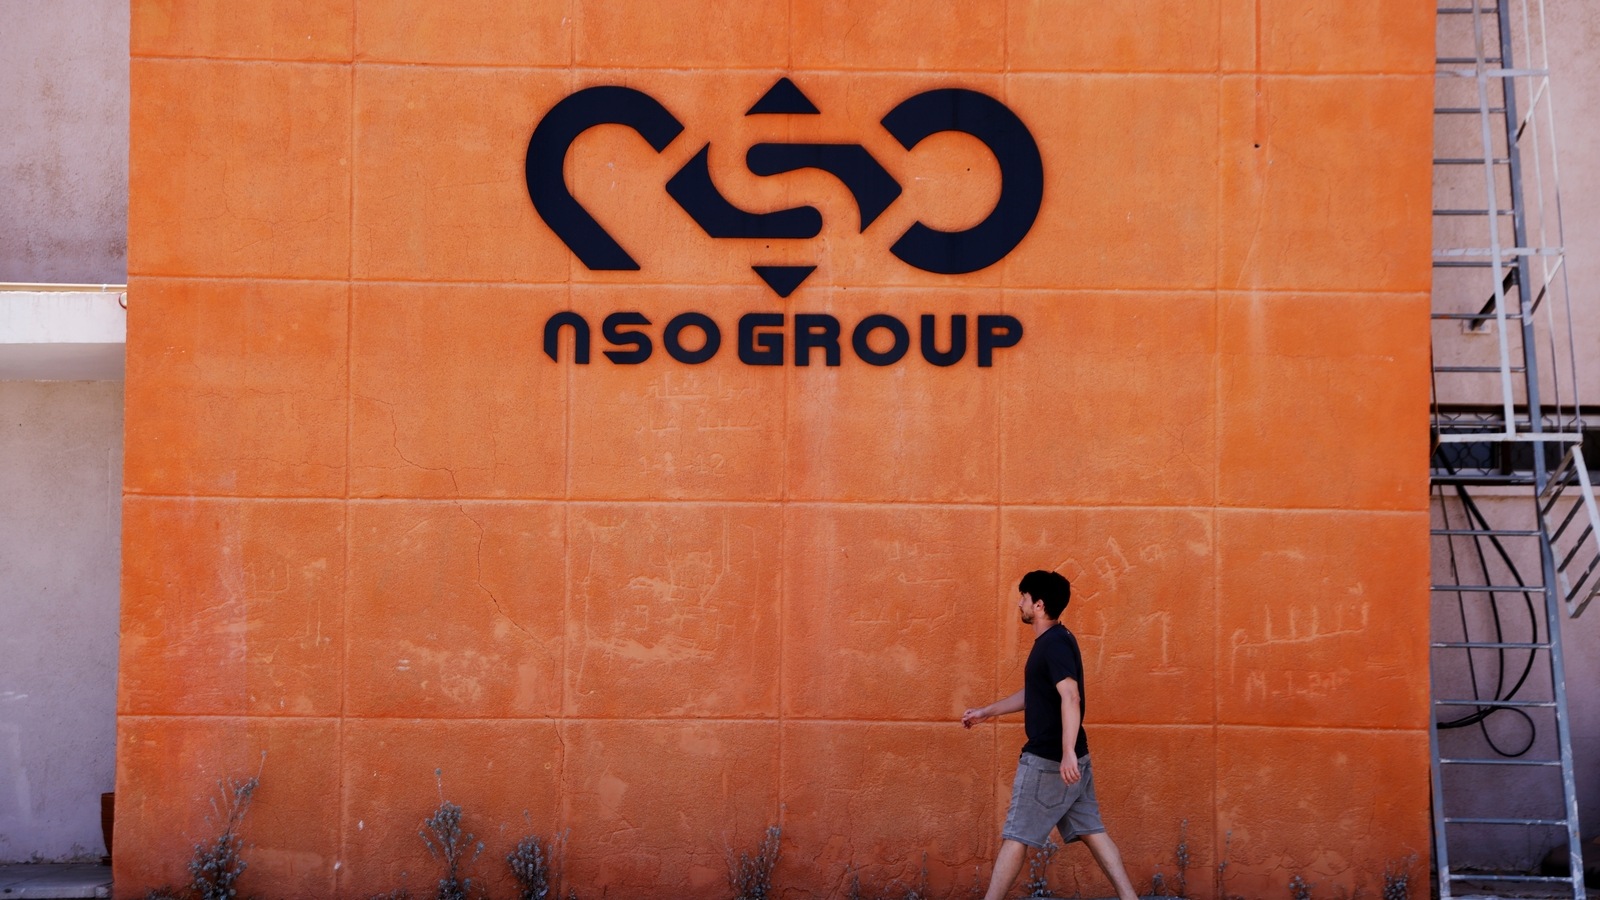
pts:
[1105, 853]
[1007, 864]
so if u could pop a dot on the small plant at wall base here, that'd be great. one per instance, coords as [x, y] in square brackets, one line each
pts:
[1183, 859]
[1299, 889]
[536, 865]
[1180, 882]
[215, 869]
[1222, 869]
[1397, 878]
[750, 876]
[1039, 870]
[452, 847]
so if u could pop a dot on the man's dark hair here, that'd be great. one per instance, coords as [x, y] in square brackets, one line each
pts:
[1050, 588]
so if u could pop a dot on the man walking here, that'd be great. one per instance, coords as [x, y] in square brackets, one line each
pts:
[1053, 788]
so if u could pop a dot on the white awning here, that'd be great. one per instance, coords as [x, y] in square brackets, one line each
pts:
[71, 332]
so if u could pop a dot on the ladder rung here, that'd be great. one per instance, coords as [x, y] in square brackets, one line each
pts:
[1578, 587]
[1505, 252]
[1500, 762]
[1499, 704]
[1464, 110]
[1468, 264]
[1476, 370]
[1490, 645]
[1578, 546]
[1475, 317]
[1491, 73]
[1497, 532]
[1489, 820]
[1463, 60]
[1467, 10]
[1549, 879]
[1469, 161]
[1470, 212]
[1487, 589]
[1448, 480]
[1561, 530]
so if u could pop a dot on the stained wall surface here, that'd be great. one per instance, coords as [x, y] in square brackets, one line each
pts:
[374, 533]
[1570, 28]
[61, 489]
[64, 163]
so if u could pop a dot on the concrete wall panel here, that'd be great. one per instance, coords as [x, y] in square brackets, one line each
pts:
[60, 522]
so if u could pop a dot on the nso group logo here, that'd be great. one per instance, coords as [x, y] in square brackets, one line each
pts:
[773, 338]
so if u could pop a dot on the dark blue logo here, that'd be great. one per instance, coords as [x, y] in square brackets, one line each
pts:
[873, 188]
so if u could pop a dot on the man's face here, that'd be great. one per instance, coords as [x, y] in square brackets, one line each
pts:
[1025, 604]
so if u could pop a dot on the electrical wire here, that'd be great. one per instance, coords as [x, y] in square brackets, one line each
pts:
[1482, 714]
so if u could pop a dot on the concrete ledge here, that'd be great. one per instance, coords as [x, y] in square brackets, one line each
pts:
[71, 880]
[63, 335]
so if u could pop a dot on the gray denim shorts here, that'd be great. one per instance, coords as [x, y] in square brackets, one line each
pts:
[1040, 800]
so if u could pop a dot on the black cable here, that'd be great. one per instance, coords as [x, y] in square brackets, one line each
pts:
[1527, 596]
[1466, 631]
[1481, 715]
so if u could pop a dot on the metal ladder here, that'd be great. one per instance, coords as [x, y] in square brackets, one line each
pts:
[1492, 430]
[1533, 791]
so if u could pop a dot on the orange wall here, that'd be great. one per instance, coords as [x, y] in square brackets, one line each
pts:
[372, 530]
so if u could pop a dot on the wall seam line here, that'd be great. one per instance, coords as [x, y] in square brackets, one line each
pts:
[594, 69]
[783, 508]
[983, 506]
[349, 434]
[563, 722]
[898, 287]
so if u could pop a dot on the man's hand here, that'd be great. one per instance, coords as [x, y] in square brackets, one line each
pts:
[1069, 768]
[1011, 704]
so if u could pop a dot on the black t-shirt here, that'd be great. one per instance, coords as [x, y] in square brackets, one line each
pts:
[1054, 656]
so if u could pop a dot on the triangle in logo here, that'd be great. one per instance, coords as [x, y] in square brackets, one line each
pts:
[783, 279]
[783, 98]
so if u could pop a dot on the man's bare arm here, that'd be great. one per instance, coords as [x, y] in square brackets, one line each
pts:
[1010, 704]
[1070, 720]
